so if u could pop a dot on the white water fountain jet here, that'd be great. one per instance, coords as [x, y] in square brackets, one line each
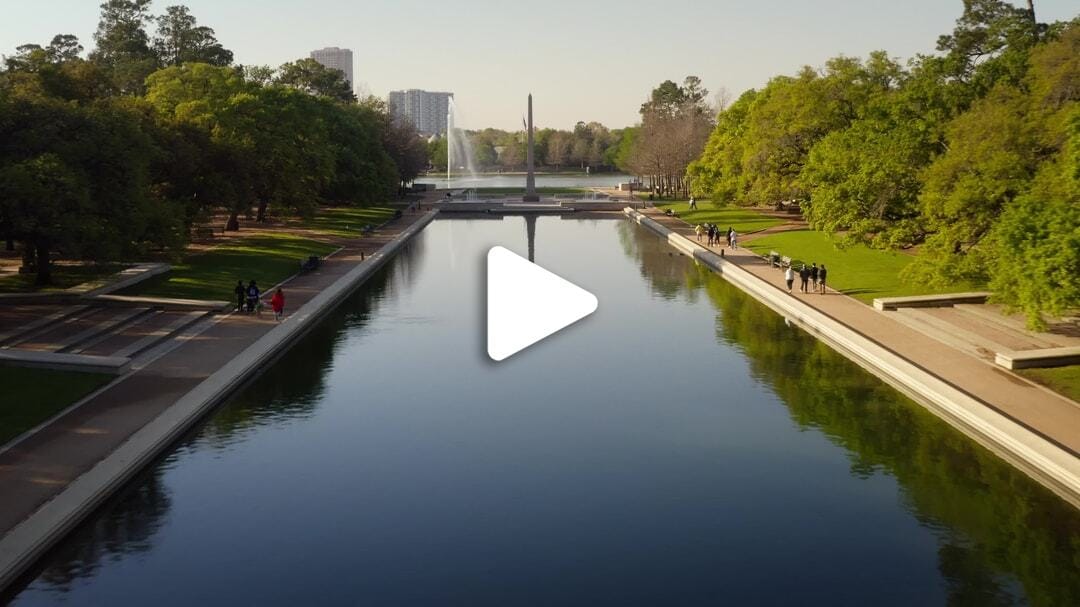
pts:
[459, 152]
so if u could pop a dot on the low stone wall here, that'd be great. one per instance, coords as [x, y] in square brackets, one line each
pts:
[27, 542]
[1049, 464]
[930, 301]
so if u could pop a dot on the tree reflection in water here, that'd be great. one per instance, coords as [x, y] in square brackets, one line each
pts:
[997, 528]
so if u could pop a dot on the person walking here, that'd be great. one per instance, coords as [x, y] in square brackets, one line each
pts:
[277, 303]
[813, 276]
[693, 204]
[789, 278]
[821, 278]
[252, 297]
[734, 239]
[699, 229]
[730, 231]
[241, 295]
[804, 277]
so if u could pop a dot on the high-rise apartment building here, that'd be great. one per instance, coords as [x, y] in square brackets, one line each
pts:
[338, 59]
[424, 109]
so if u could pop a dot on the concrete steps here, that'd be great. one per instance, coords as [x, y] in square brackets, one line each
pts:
[1015, 326]
[947, 333]
[81, 341]
[75, 315]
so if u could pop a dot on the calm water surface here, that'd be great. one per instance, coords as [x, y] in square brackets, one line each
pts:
[681, 446]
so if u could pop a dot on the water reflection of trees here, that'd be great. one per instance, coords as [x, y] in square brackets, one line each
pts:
[127, 525]
[992, 521]
[295, 383]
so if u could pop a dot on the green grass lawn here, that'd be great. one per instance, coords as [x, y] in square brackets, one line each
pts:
[859, 271]
[1063, 380]
[32, 396]
[346, 222]
[267, 258]
[63, 277]
[742, 219]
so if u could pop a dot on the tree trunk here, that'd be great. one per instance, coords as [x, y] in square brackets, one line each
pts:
[1034, 21]
[260, 216]
[10, 244]
[29, 261]
[44, 269]
[233, 224]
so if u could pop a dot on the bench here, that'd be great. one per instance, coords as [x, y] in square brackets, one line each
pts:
[208, 231]
[311, 264]
[367, 229]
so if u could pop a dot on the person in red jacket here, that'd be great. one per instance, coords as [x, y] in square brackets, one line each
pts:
[277, 302]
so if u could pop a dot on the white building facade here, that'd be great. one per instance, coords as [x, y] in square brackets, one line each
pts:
[425, 110]
[340, 59]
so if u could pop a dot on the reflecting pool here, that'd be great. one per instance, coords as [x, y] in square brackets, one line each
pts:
[681, 445]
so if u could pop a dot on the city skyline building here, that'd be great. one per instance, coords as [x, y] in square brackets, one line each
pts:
[425, 110]
[337, 58]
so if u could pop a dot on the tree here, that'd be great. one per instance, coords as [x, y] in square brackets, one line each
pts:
[123, 46]
[314, 78]
[180, 40]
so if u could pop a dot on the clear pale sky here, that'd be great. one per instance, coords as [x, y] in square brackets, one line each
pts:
[582, 60]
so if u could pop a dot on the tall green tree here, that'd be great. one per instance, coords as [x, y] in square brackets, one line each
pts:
[123, 44]
[314, 78]
[181, 40]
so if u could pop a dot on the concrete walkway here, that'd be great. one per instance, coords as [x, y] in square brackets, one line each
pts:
[1046, 413]
[41, 467]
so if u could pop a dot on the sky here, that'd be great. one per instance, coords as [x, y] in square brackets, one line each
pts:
[583, 60]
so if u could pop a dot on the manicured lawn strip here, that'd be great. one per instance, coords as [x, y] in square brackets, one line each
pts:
[346, 222]
[266, 258]
[1063, 380]
[63, 277]
[32, 396]
[859, 271]
[744, 220]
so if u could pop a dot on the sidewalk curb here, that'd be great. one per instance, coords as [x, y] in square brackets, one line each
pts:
[29, 540]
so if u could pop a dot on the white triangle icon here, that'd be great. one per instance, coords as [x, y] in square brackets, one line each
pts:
[526, 303]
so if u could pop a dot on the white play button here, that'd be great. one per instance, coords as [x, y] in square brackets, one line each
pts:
[526, 303]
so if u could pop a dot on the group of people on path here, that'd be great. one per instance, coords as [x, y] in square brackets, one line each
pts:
[714, 234]
[248, 300]
[811, 277]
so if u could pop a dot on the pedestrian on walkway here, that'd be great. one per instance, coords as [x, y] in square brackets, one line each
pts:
[730, 231]
[734, 239]
[789, 278]
[277, 303]
[821, 277]
[252, 297]
[814, 276]
[241, 295]
[693, 204]
[699, 229]
[804, 277]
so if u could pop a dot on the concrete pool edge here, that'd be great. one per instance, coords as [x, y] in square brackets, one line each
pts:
[1048, 463]
[27, 542]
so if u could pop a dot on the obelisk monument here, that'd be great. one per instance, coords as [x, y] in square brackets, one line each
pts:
[530, 162]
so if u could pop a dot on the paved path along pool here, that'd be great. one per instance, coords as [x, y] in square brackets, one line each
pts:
[1044, 412]
[41, 467]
